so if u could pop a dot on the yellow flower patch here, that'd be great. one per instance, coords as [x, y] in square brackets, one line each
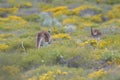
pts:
[9, 10]
[64, 10]
[3, 47]
[13, 21]
[114, 13]
[58, 10]
[93, 42]
[50, 75]
[78, 9]
[117, 60]
[103, 43]
[5, 35]
[97, 18]
[60, 35]
[12, 70]
[83, 7]
[69, 21]
[97, 74]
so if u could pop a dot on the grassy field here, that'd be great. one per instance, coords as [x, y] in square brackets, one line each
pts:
[74, 54]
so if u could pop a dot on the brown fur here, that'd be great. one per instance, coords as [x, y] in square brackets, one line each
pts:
[95, 33]
[41, 37]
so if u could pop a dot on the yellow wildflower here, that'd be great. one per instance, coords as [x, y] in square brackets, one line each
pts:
[93, 42]
[18, 21]
[97, 18]
[58, 72]
[56, 9]
[69, 21]
[102, 44]
[3, 47]
[11, 69]
[60, 35]
[116, 61]
[114, 13]
[97, 74]
[64, 73]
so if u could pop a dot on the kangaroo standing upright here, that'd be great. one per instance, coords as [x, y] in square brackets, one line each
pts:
[96, 33]
[42, 37]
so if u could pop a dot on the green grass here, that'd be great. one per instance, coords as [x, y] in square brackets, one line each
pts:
[25, 62]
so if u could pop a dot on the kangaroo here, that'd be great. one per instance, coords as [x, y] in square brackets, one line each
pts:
[95, 33]
[42, 37]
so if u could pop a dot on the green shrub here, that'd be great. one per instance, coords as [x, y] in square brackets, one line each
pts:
[112, 1]
[32, 17]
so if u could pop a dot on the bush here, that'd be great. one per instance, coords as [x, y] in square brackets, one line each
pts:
[24, 5]
[5, 11]
[32, 17]
[112, 1]
[70, 28]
